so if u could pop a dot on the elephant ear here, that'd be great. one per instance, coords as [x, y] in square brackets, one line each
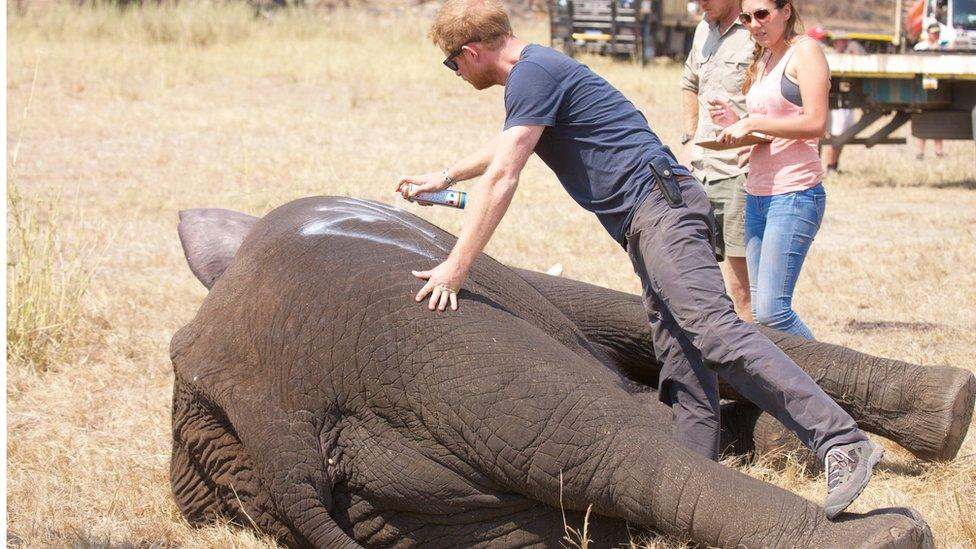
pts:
[210, 238]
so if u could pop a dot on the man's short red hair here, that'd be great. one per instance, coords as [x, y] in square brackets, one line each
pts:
[461, 21]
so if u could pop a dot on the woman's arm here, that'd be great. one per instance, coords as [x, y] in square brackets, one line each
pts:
[813, 76]
[814, 82]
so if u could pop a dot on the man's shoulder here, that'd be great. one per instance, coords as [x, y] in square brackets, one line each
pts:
[702, 27]
[735, 38]
[543, 55]
[539, 61]
[701, 34]
[740, 36]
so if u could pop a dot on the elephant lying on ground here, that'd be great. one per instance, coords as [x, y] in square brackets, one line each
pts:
[926, 409]
[315, 400]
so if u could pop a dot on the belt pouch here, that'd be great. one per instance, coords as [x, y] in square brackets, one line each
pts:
[664, 175]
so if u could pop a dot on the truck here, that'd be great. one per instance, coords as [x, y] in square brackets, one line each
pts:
[957, 19]
[934, 90]
[637, 29]
[641, 29]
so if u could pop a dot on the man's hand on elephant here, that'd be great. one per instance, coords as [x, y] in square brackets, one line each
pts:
[427, 183]
[443, 284]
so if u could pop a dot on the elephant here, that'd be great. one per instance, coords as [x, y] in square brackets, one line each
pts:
[925, 409]
[316, 401]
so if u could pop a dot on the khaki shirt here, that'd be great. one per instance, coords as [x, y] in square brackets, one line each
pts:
[715, 69]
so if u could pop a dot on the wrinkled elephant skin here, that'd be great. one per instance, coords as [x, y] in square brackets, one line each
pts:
[926, 409]
[315, 400]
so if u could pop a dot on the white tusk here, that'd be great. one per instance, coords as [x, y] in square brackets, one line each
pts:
[555, 270]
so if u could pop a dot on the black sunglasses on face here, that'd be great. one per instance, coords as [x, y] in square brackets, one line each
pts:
[760, 15]
[449, 62]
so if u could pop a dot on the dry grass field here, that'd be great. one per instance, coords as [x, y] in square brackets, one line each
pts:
[119, 120]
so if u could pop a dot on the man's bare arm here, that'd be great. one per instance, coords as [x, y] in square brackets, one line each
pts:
[689, 111]
[501, 178]
[476, 163]
[469, 167]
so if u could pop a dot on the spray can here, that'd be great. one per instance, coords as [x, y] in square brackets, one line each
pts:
[447, 197]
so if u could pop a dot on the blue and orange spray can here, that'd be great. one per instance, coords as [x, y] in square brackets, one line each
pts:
[447, 197]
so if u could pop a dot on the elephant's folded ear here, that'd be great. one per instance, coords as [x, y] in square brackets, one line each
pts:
[210, 238]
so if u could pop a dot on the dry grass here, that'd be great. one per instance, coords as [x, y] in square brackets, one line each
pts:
[137, 116]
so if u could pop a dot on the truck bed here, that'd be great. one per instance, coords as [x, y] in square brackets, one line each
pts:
[934, 65]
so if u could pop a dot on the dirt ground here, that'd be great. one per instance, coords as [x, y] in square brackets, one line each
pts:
[133, 117]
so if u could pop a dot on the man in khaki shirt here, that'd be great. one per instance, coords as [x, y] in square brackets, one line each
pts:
[715, 69]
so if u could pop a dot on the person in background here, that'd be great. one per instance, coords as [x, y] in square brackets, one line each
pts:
[839, 120]
[716, 68]
[932, 41]
[786, 199]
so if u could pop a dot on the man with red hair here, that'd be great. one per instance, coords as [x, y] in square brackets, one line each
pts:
[610, 161]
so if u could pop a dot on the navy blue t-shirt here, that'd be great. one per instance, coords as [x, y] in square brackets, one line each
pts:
[595, 140]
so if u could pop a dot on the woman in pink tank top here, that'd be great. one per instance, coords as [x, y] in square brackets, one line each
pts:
[786, 98]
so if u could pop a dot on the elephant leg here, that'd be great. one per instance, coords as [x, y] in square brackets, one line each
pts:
[220, 469]
[747, 431]
[211, 475]
[925, 409]
[578, 434]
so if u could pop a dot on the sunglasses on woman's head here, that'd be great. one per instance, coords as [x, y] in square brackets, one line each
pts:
[760, 15]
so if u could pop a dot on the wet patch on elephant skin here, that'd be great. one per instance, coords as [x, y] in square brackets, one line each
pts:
[346, 227]
[345, 216]
[879, 325]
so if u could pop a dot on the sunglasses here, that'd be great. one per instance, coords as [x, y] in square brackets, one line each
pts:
[449, 62]
[760, 15]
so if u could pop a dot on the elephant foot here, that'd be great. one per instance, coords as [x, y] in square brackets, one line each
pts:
[944, 412]
[914, 532]
[962, 416]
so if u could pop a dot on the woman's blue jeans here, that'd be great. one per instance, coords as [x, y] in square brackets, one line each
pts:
[779, 232]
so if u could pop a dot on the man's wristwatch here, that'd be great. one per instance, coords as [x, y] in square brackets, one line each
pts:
[685, 138]
[448, 179]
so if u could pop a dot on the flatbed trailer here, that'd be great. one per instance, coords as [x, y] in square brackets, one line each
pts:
[935, 91]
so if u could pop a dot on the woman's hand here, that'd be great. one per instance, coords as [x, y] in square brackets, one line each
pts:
[733, 134]
[742, 156]
[721, 113]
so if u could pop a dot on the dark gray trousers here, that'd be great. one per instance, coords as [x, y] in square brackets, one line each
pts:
[697, 335]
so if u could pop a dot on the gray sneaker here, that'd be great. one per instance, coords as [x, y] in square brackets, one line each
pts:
[848, 471]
